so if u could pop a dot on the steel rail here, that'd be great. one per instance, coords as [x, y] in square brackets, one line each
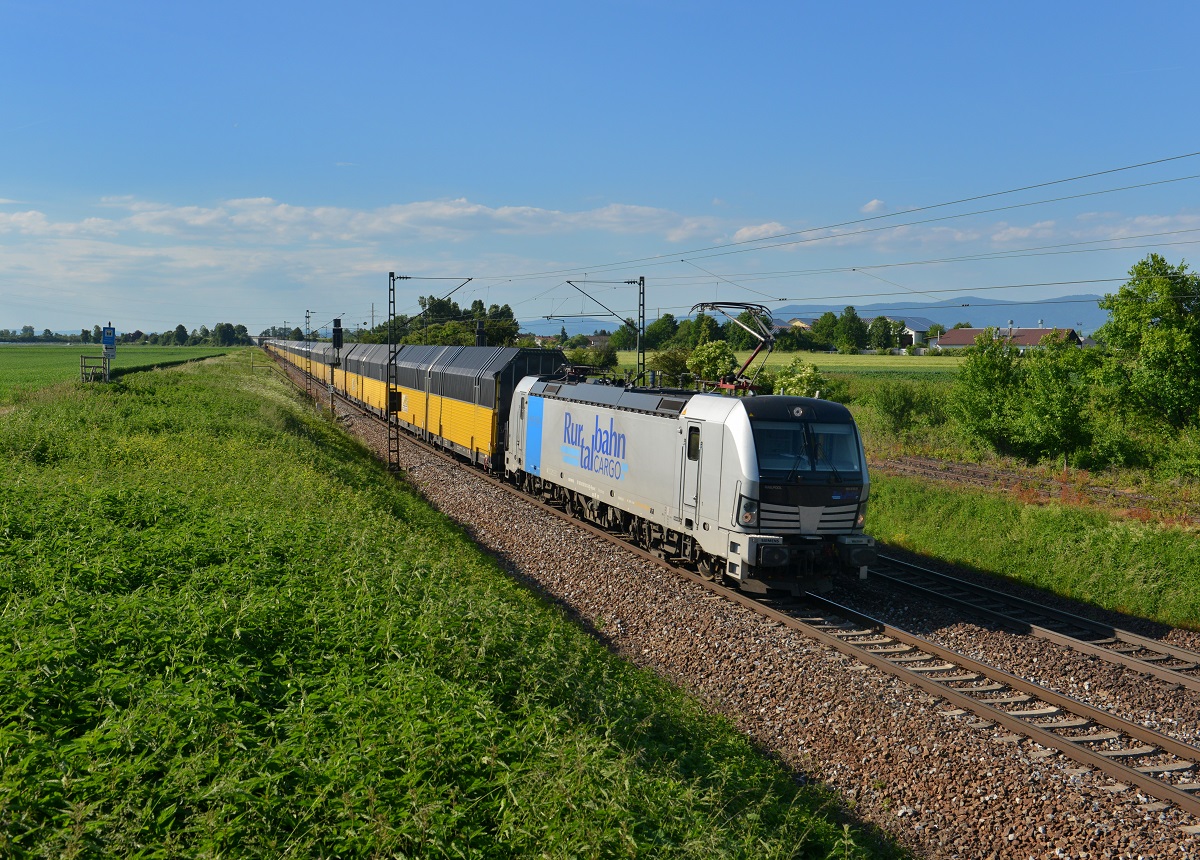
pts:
[1184, 798]
[1111, 634]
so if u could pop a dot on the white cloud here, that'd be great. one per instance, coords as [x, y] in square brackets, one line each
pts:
[875, 205]
[759, 231]
[266, 219]
[1007, 232]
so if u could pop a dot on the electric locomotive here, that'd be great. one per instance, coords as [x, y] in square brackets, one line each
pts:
[768, 491]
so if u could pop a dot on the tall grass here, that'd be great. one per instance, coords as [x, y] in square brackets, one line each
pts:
[227, 632]
[1144, 569]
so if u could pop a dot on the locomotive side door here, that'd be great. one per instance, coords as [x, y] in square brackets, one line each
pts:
[516, 433]
[690, 490]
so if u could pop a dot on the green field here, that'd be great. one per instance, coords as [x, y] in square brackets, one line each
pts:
[26, 367]
[228, 632]
[912, 366]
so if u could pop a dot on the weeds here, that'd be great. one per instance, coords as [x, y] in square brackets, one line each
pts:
[228, 632]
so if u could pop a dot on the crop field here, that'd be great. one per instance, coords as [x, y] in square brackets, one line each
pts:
[900, 365]
[917, 367]
[26, 367]
[228, 632]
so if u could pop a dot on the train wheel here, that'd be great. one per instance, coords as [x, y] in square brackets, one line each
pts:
[707, 569]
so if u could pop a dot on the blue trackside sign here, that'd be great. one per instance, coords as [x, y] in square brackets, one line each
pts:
[599, 449]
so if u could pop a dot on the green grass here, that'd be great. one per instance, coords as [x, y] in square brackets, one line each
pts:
[1143, 569]
[27, 367]
[227, 632]
[905, 366]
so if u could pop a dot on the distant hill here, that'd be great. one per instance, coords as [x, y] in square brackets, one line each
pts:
[1077, 312]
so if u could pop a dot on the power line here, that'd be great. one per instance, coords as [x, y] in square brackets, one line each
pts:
[754, 242]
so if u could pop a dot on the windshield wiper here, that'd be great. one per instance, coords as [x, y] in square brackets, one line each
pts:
[837, 476]
[795, 463]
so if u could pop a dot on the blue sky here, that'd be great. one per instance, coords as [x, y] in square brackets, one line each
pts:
[164, 163]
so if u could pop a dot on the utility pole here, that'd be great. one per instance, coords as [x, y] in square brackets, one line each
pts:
[392, 396]
[308, 392]
[641, 346]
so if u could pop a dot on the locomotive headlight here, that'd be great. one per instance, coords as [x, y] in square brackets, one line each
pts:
[748, 512]
[862, 515]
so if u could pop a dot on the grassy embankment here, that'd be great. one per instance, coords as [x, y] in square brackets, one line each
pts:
[26, 367]
[1143, 568]
[228, 632]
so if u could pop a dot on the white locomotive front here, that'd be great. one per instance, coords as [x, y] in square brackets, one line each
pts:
[769, 491]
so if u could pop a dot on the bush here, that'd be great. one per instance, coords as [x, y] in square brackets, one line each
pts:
[672, 364]
[765, 382]
[712, 359]
[897, 402]
[801, 379]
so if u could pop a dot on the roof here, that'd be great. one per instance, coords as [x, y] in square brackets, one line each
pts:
[910, 323]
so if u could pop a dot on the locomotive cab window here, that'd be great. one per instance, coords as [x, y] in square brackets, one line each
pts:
[806, 450]
[693, 443]
[835, 447]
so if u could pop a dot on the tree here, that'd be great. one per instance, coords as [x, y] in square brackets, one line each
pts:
[705, 328]
[625, 337]
[879, 333]
[851, 330]
[1154, 324]
[712, 360]
[738, 337]
[604, 357]
[97, 334]
[438, 310]
[935, 330]
[987, 388]
[1051, 418]
[672, 363]
[963, 325]
[824, 329]
[792, 339]
[85, 336]
[501, 331]
[294, 334]
[181, 334]
[660, 332]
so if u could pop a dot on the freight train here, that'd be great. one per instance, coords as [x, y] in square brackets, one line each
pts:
[767, 491]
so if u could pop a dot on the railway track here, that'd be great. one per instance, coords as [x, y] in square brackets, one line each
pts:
[1168, 663]
[1159, 766]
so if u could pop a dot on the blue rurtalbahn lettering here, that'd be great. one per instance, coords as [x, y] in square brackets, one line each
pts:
[603, 452]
